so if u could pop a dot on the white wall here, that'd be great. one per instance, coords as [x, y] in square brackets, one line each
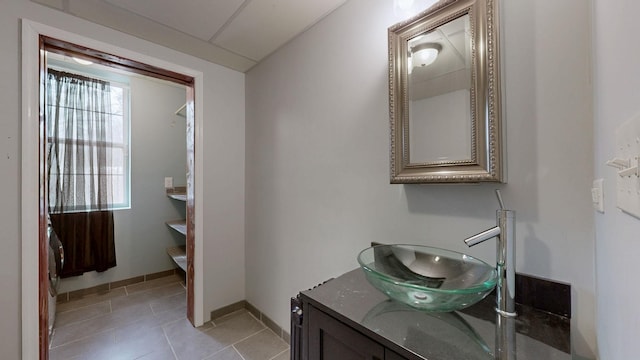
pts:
[317, 139]
[158, 149]
[440, 128]
[616, 83]
[223, 157]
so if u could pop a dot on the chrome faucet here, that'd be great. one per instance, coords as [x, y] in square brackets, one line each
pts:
[504, 231]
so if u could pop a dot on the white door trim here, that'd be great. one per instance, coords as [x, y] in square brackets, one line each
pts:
[31, 32]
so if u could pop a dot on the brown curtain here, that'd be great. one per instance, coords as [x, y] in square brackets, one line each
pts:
[87, 239]
[79, 127]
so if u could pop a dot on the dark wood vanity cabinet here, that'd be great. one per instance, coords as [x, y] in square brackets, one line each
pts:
[330, 339]
[327, 338]
[390, 355]
[347, 319]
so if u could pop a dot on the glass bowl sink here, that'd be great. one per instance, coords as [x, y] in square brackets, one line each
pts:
[427, 278]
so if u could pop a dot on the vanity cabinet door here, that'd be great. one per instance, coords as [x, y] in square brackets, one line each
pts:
[390, 355]
[329, 339]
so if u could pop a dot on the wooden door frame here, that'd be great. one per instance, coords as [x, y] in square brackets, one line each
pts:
[35, 38]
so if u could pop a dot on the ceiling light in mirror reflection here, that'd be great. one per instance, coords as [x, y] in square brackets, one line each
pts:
[423, 55]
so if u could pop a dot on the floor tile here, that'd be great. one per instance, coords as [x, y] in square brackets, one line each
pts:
[113, 320]
[82, 347]
[132, 311]
[139, 298]
[78, 331]
[148, 321]
[262, 346]
[159, 355]
[168, 290]
[153, 283]
[172, 315]
[285, 355]
[136, 341]
[237, 328]
[90, 300]
[82, 313]
[190, 343]
[228, 353]
[230, 316]
[168, 303]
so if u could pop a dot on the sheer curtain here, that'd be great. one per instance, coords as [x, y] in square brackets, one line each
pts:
[80, 194]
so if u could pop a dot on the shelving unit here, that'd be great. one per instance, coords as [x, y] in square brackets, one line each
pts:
[178, 253]
[179, 256]
[182, 111]
[179, 197]
[178, 225]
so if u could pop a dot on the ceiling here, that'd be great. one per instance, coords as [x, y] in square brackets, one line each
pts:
[451, 71]
[234, 33]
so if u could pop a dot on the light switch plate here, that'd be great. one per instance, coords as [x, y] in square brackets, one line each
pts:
[168, 183]
[628, 147]
[597, 195]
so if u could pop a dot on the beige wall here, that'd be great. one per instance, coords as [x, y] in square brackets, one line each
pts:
[223, 157]
[317, 143]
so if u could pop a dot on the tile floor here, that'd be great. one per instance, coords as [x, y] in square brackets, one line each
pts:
[148, 321]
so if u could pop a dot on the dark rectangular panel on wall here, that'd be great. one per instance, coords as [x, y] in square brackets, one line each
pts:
[543, 294]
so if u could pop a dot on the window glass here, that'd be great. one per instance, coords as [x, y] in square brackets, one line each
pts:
[116, 144]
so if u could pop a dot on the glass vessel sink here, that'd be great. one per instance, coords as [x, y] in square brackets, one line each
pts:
[427, 278]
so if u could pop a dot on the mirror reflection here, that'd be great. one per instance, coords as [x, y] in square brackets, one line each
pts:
[439, 69]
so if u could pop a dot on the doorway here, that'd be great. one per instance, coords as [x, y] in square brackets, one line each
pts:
[37, 39]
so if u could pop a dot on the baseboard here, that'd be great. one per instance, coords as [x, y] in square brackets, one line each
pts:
[102, 288]
[259, 315]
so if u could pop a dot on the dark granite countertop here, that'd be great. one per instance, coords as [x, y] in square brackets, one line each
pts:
[414, 334]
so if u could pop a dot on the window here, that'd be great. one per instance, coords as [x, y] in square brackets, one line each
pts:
[87, 143]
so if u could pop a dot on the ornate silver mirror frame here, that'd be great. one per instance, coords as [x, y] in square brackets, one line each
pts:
[477, 154]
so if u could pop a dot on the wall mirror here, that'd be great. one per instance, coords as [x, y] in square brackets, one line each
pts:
[444, 95]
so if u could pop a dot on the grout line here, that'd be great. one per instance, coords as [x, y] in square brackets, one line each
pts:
[281, 331]
[209, 356]
[79, 307]
[234, 313]
[247, 337]
[143, 355]
[238, 352]
[110, 287]
[280, 353]
[266, 328]
[257, 319]
[82, 319]
[75, 340]
[250, 336]
[164, 331]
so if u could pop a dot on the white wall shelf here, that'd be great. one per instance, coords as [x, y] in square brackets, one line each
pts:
[182, 111]
[179, 256]
[179, 197]
[178, 253]
[178, 225]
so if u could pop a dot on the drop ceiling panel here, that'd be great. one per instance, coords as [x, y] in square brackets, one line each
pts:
[232, 33]
[265, 25]
[198, 18]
